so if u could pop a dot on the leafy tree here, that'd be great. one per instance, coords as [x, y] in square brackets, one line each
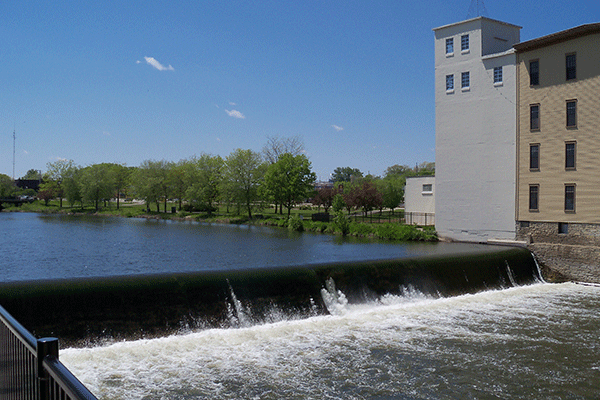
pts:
[392, 190]
[245, 171]
[290, 179]
[345, 174]
[151, 182]
[7, 186]
[96, 183]
[46, 192]
[366, 196]
[324, 197]
[121, 179]
[338, 203]
[60, 171]
[32, 174]
[206, 181]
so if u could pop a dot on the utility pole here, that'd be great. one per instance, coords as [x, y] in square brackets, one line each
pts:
[14, 147]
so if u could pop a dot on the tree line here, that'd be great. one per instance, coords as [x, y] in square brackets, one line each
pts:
[244, 181]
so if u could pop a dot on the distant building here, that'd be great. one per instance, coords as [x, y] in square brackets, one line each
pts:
[475, 111]
[559, 136]
[28, 184]
[419, 200]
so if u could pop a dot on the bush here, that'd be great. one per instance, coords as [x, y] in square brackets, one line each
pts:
[341, 222]
[294, 223]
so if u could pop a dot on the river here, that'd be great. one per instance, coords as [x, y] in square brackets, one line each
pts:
[538, 341]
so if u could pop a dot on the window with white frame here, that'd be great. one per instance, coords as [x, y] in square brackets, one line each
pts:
[497, 74]
[449, 45]
[464, 43]
[465, 80]
[449, 83]
[427, 188]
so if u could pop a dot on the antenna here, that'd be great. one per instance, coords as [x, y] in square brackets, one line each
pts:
[14, 142]
[476, 9]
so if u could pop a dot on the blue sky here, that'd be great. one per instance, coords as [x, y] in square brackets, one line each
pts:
[129, 81]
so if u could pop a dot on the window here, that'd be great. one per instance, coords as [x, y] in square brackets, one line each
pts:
[534, 117]
[497, 74]
[572, 114]
[571, 66]
[563, 228]
[534, 191]
[570, 198]
[427, 188]
[534, 72]
[449, 82]
[450, 46]
[534, 157]
[465, 80]
[464, 43]
[570, 155]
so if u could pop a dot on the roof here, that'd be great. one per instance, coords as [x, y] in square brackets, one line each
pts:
[475, 19]
[573, 33]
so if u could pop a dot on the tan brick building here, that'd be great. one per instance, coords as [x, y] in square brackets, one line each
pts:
[558, 140]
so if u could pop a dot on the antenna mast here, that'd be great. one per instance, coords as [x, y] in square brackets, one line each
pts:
[476, 9]
[14, 142]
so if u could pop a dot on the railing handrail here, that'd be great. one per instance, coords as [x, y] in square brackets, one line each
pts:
[51, 379]
[18, 330]
[66, 380]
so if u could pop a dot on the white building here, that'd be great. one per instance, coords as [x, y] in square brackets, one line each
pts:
[475, 111]
[419, 200]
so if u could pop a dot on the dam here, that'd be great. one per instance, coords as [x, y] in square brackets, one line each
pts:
[472, 322]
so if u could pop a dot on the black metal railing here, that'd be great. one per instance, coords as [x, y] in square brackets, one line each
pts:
[30, 369]
[410, 218]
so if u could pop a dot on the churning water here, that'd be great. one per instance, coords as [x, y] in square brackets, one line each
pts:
[531, 342]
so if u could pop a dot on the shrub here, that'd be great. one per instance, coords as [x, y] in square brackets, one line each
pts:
[294, 223]
[341, 222]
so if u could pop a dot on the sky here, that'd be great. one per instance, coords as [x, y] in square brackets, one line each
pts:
[128, 81]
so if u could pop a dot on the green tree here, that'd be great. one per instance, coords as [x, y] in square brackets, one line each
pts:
[121, 179]
[290, 180]
[392, 190]
[7, 186]
[96, 183]
[151, 182]
[346, 174]
[206, 181]
[59, 171]
[32, 174]
[46, 192]
[245, 171]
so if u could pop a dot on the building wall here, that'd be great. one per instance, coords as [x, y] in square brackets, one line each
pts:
[551, 94]
[419, 201]
[476, 133]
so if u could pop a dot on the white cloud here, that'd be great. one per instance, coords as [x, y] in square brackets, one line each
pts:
[231, 103]
[337, 128]
[235, 114]
[152, 61]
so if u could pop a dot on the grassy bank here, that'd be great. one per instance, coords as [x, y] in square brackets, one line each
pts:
[300, 220]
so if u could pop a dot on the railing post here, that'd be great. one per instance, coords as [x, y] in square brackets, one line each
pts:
[45, 347]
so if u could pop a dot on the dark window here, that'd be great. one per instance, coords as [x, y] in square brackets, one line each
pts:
[571, 114]
[534, 156]
[465, 80]
[571, 64]
[449, 46]
[464, 42]
[534, 117]
[497, 74]
[534, 191]
[569, 197]
[563, 228]
[449, 82]
[534, 72]
[570, 155]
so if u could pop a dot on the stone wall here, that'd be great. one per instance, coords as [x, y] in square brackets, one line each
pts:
[574, 255]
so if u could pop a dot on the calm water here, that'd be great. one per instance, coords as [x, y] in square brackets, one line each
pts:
[533, 342]
[57, 246]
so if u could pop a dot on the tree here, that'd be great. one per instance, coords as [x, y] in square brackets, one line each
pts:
[96, 183]
[59, 171]
[366, 196]
[120, 176]
[392, 189]
[324, 197]
[206, 177]
[32, 174]
[345, 174]
[7, 186]
[277, 146]
[290, 179]
[245, 171]
[151, 182]
[46, 192]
